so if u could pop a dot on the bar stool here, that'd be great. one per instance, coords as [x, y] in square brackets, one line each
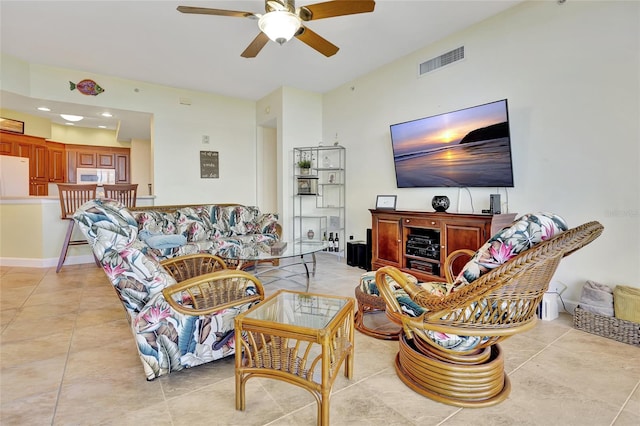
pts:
[71, 197]
[125, 193]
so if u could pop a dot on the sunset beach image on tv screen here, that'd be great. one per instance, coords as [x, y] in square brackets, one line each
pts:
[469, 147]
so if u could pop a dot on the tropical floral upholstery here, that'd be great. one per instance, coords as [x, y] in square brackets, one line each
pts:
[523, 234]
[409, 307]
[225, 230]
[166, 339]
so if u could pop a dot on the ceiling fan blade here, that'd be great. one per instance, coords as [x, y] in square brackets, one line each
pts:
[255, 46]
[219, 12]
[317, 42]
[330, 9]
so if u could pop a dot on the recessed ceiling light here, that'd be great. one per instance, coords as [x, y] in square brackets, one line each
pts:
[70, 117]
[102, 127]
[69, 124]
[106, 114]
[43, 109]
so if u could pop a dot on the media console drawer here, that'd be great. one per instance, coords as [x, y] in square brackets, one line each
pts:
[420, 223]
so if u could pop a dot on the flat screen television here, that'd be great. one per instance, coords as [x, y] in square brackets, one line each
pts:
[470, 147]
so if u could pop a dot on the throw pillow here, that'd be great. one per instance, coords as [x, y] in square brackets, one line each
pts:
[521, 235]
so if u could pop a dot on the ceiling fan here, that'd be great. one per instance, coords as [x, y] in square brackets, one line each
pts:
[282, 21]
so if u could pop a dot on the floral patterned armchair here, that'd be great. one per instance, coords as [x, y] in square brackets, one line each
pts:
[175, 325]
[449, 351]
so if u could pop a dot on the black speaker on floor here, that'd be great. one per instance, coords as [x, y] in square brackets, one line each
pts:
[353, 252]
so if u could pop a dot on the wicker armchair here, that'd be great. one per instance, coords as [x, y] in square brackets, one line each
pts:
[213, 292]
[184, 267]
[494, 306]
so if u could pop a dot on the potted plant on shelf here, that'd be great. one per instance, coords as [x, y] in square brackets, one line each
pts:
[304, 165]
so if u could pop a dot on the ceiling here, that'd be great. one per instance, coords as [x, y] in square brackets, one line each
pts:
[150, 41]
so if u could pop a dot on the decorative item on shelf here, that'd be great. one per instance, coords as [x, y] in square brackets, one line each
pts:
[386, 202]
[308, 185]
[305, 162]
[326, 162]
[305, 166]
[440, 203]
[332, 178]
[310, 234]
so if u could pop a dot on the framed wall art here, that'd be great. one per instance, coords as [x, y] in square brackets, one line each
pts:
[13, 126]
[387, 202]
[209, 167]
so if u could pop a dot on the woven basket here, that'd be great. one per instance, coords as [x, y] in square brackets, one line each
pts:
[610, 327]
[627, 303]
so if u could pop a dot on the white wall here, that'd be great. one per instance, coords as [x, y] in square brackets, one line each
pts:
[571, 75]
[297, 117]
[141, 165]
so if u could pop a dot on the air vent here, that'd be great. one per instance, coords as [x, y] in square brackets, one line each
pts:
[442, 60]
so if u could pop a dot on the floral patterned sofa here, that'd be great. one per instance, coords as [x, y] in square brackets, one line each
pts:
[171, 330]
[222, 229]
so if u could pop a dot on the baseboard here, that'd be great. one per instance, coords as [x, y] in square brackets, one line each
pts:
[50, 262]
[569, 306]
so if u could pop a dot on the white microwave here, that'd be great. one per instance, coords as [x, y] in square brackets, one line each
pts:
[97, 176]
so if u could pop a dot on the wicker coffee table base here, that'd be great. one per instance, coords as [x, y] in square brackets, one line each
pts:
[369, 304]
[469, 385]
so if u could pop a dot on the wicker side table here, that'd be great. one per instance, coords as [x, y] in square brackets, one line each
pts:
[299, 338]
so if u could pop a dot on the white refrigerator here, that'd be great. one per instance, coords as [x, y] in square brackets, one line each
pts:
[14, 176]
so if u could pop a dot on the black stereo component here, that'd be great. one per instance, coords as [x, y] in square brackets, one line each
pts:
[428, 252]
[420, 239]
[422, 246]
[429, 268]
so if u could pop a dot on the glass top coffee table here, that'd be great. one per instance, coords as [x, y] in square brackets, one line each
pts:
[299, 338]
[300, 254]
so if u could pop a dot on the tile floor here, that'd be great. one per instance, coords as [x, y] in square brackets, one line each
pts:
[67, 358]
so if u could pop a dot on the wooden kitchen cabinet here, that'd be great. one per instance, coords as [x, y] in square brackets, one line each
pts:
[105, 160]
[57, 162]
[122, 168]
[72, 165]
[35, 149]
[98, 157]
[86, 159]
[419, 242]
[6, 147]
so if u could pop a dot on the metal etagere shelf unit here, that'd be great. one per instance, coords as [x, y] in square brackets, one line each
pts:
[319, 195]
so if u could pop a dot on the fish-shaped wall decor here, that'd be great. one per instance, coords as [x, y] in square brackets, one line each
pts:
[86, 87]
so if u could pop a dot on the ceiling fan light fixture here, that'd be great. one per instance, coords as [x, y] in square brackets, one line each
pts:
[280, 26]
[70, 117]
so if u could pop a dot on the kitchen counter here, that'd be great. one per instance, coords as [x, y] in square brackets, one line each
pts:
[32, 232]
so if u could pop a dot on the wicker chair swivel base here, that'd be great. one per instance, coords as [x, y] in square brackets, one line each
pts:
[494, 306]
